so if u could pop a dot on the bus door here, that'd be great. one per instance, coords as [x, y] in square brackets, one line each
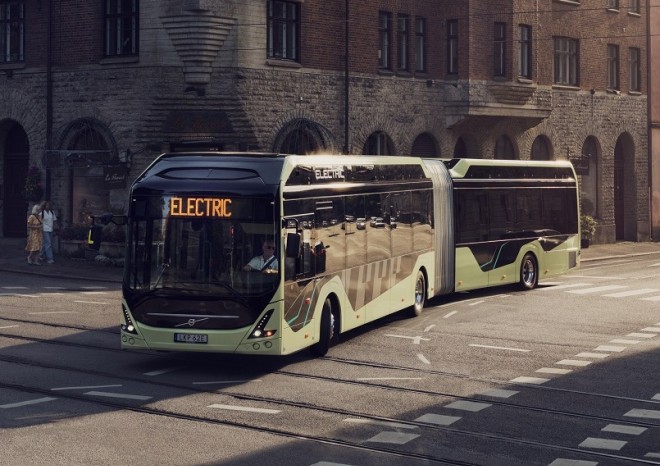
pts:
[504, 240]
[474, 252]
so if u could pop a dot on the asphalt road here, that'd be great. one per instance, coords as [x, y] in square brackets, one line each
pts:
[564, 375]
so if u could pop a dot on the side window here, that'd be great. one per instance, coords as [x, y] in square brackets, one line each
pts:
[502, 221]
[378, 236]
[471, 216]
[528, 210]
[329, 247]
[422, 220]
[401, 224]
[355, 234]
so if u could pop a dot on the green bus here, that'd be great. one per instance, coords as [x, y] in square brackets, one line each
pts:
[269, 254]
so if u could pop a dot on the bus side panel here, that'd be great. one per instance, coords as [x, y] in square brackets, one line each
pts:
[469, 274]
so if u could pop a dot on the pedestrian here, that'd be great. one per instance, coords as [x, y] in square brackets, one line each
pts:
[35, 239]
[49, 221]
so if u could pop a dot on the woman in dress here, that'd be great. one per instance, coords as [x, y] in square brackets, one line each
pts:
[35, 239]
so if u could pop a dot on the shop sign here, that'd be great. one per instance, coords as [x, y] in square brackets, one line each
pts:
[115, 177]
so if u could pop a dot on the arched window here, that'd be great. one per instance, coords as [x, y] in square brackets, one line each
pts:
[460, 149]
[504, 148]
[302, 136]
[379, 143]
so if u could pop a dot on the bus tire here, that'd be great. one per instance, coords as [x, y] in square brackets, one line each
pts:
[327, 331]
[420, 295]
[529, 272]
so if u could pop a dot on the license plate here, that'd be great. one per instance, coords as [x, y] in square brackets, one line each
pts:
[191, 338]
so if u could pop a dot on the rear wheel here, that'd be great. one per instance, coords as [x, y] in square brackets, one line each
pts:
[327, 334]
[529, 276]
[420, 294]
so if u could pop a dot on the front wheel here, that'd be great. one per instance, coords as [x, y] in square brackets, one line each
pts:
[327, 332]
[529, 276]
[420, 295]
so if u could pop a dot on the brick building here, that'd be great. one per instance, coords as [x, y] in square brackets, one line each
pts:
[92, 90]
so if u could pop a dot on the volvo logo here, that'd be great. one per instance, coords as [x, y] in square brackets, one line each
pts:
[191, 322]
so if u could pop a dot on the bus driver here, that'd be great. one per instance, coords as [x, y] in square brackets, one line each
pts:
[265, 261]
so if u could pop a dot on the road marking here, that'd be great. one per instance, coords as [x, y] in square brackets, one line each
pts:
[422, 358]
[610, 349]
[553, 370]
[651, 329]
[393, 425]
[416, 340]
[48, 295]
[620, 429]
[567, 462]
[93, 287]
[643, 413]
[51, 312]
[652, 455]
[14, 287]
[54, 288]
[226, 382]
[529, 380]
[119, 395]
[472, 406]
[87, 387]
[438, 419]
[621, 341]
[567, 285]
[27, 403]
[476, 303]
[9, 326]
[642, 335]
[654, 298]
[592, 355]
[504, 348]
[89, 302]
[162, 371]
[393, 437]
[603, 444]
[452, 313]
[90, 293]
[371, 379]
[573, 362]
[597, 289]
[625, 294]
[427, 329]
[27, 295]
[245, 409]
[499, 393]
[656, 397]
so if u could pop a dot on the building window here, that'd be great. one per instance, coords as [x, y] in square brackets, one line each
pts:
[284, 30]
[379, 143]
[402, 42]
[420, 44]
[525, 59]
[613, 4]
[634, 6]
[612, 66]
[504, 149]
[121, 27]
[499, 50]
[12, 31]
[384, 40]
[452, 46]
[566, 61]
[635, 70]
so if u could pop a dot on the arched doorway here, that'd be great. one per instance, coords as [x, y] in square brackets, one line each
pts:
[425, 146]
[302, 136]
[540, 149]
[504, 149]
[625, 192]
[379, 143]
[590, 184]
[16, 164]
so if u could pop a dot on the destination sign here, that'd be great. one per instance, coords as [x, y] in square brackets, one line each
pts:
[200, 207]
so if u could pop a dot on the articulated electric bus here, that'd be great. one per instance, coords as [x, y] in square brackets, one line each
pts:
[269, 254]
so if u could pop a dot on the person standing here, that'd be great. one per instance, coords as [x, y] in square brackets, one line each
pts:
[49, 220]
[35, 238]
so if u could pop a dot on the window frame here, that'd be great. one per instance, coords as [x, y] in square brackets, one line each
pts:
[115, 32]
[385, 40]
[634, 7]
[402, 42]
[613, 67]
[525, 51]
[12, 32]
[420, 45]
[452, 46]
[499, 49]
[635, 69]
[613, 5]
[283, 35]
[566, 61]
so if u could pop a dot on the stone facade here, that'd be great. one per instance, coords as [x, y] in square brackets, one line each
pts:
[203, 73]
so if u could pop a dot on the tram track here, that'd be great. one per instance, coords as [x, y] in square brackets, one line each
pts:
[325, 409]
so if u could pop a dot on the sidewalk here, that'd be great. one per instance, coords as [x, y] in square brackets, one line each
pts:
[13, 258]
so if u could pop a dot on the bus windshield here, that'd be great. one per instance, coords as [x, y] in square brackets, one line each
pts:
[202, 245]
